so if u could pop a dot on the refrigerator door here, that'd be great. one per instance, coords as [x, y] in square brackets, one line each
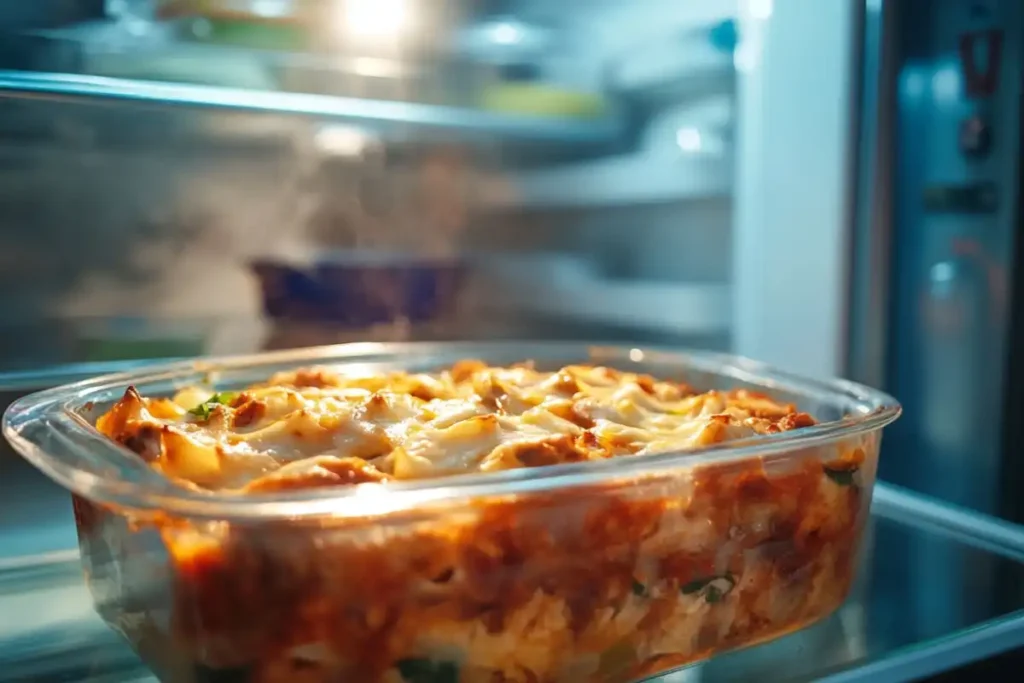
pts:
[934, 239]
[955, 185]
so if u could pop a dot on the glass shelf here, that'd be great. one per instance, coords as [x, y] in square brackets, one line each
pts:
[941, 587]
[381, 114]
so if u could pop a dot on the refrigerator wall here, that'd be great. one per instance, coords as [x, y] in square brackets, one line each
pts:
[794, 181]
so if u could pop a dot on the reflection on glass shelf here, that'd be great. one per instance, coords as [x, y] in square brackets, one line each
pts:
[37, 516]
[895, 627]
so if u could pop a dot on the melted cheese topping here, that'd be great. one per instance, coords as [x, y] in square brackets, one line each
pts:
[320, 427]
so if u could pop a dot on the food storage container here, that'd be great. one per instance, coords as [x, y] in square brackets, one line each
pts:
[606, 571]
[358, 290]
[277, 25]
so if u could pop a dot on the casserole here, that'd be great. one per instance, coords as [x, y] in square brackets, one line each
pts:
[606, 570]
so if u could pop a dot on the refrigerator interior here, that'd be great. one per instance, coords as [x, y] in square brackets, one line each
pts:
[643, 172]
[659, 180]
[651, 171]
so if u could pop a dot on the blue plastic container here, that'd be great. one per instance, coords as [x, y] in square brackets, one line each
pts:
[360, 289]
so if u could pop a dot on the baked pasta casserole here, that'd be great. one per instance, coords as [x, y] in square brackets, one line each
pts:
[602, 583]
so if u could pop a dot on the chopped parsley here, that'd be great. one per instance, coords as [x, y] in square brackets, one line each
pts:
[713, 588]
[416, 670]
[842, 477]
[204, 409]
[616, 660]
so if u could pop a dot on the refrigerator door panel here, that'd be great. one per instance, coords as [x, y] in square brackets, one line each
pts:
[934, 229]
[953, 237]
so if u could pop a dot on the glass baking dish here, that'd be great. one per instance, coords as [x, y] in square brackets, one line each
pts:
[607, 571]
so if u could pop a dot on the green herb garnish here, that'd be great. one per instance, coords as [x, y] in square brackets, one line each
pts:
[713, 588]
[842, 477]
[694, 586]
[416, 670]
[204, 409]
[616, 660]
[639, 589]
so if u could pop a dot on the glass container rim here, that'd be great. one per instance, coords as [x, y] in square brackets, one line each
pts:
[51, 410]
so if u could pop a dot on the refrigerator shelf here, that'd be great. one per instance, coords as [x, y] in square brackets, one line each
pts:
[898, 624]
[399, 117]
